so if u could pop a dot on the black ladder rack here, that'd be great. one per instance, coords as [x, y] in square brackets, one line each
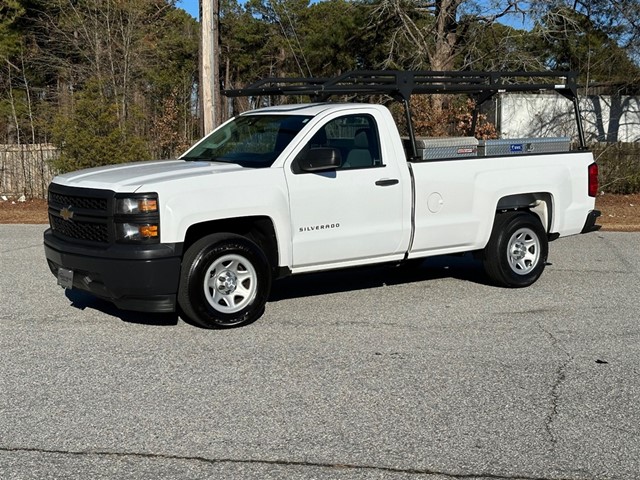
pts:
[401, 85]
[406, 83]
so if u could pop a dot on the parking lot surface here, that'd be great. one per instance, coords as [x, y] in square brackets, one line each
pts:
[380, 373]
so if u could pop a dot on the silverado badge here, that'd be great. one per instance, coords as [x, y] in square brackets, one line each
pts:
[66, 213]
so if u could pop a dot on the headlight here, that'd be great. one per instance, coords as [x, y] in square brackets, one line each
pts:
[135, 232]
[137, 218]
[136, 205]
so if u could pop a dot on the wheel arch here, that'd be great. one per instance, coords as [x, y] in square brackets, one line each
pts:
[538, 203]
[259, 229]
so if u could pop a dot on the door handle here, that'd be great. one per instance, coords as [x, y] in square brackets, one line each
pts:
[385, 182]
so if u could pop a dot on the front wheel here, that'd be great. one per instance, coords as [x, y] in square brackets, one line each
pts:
[517, 250]
[225, 281]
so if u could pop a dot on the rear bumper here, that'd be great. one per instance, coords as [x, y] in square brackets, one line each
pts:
[141, 277]
[590, 223]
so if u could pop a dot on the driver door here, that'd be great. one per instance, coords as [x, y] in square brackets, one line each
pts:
[351, 213]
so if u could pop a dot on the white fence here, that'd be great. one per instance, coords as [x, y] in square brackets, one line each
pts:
[26, 169]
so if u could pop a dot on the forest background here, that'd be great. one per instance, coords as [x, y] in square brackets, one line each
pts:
[107, 81]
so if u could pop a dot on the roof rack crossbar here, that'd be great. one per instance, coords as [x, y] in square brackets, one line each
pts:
[405, 84]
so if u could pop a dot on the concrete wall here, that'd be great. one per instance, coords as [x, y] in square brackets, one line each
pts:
[606, 118]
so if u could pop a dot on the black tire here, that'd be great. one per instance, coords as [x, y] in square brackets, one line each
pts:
[224, 282]
[517, 251]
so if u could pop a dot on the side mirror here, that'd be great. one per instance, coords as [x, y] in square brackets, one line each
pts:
[320, 159]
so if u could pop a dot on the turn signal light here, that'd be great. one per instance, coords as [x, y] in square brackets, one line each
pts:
[148, 205]
[148, 231]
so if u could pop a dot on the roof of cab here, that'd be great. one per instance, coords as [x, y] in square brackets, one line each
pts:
[311, 109]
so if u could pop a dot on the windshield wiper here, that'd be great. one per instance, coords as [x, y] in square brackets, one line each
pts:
[217, 160]
[202, 157]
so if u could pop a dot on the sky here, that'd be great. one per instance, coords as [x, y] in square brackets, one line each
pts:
[191, 6]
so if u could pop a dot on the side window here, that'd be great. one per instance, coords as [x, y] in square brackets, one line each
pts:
[355, 137]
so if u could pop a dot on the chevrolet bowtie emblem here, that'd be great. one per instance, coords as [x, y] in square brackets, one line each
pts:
[66, 213]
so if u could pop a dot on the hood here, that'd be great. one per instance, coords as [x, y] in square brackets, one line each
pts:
[129, 177]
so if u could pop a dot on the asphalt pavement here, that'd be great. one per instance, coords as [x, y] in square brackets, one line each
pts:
[379, 373]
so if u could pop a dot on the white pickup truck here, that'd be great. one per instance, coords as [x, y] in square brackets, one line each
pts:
[308, 187]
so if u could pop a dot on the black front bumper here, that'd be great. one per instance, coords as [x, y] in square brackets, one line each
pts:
[133, 277]
[590, 223]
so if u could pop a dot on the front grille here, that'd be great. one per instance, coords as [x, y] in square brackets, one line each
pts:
[92, 232]
[81, 214]
[84, 203]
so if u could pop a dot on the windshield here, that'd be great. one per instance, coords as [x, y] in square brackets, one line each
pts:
[249, 140]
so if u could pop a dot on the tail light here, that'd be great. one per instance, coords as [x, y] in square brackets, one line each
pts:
[593, 179]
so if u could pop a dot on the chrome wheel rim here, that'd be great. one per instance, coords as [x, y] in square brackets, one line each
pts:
[523, 251]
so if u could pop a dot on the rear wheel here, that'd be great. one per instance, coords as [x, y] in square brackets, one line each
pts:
[517, 250]
[225, 281]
